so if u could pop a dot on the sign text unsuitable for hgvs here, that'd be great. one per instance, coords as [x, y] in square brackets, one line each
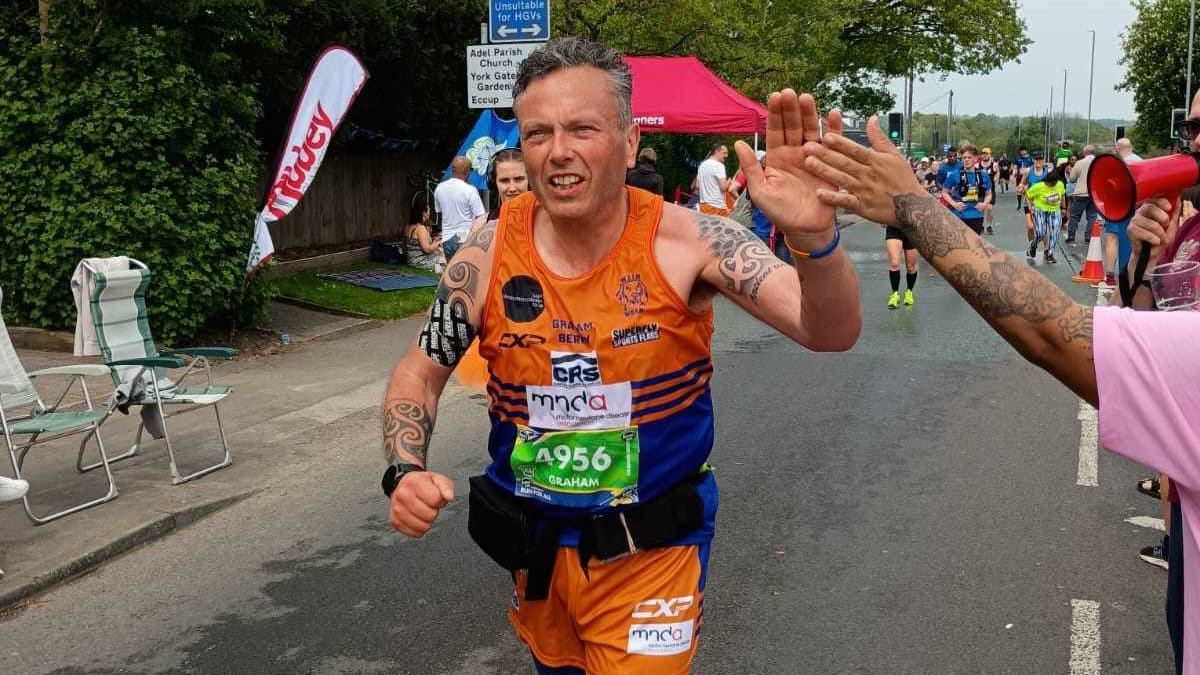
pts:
[491, 72]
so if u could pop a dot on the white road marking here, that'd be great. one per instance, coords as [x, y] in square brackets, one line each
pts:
[1085, 637]
[1088, 443]
[1148, 522]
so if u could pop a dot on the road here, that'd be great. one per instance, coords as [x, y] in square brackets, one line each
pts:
[911, 506]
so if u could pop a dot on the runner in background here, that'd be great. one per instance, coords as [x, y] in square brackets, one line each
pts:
[1005, 169]
[1045, 198]
[1021, 164]
[1030, 177]
[968, 189]
[992, 169]
[896, 244]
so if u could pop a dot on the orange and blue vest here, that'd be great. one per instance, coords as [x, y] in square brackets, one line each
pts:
[598, 385]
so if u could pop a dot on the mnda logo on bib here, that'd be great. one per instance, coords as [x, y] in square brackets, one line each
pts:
[571, 369]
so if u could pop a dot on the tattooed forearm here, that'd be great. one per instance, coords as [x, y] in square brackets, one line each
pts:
[999, 287]
[933, 230]
[448, 332]
[744, 262]
[407, 427]
[481, 237]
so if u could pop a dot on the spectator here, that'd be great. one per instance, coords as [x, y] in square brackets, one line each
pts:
[644, 173]
[1117, 249]
[421, 248]
[458, 204]
[507, 178]
[1080, 199]
[711, 182]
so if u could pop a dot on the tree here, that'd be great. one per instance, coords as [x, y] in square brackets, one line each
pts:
[1155, 60]
[128, 139]
[843, 52]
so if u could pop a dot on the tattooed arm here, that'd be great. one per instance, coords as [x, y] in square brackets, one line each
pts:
[1027, 309]
[814, 302]
[410, 406]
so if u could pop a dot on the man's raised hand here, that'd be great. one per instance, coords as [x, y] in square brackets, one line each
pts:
[785, 189]
[416, 501]
[870, 177]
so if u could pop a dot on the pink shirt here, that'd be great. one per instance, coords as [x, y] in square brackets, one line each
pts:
[1148, 375]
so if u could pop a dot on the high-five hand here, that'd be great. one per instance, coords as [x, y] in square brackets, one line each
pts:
[784, 189]
[870, 177]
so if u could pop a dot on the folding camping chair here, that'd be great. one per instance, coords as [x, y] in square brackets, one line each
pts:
[57, 420]
[118, 306]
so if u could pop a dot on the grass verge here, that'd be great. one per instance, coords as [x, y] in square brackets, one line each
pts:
[348, 297]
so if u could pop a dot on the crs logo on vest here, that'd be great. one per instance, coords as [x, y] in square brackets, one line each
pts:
[574, 369]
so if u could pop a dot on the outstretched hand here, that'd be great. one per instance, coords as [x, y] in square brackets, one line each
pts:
[785, 189]
[869, 177]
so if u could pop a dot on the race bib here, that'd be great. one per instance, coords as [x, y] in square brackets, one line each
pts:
[972, 194]
[578, 469]
[1052, 198]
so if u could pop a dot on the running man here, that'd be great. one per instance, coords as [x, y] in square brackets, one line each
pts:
[1046, 197]
[1030, 177]
[896, 243]
[1005, 166]
[1021, 164]
[969, 189]
[990, 167]
[593, 306]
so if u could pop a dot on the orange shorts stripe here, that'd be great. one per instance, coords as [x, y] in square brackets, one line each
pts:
[637, 614]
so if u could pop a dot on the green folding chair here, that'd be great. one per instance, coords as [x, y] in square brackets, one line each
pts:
[23, 414]
[118, 305]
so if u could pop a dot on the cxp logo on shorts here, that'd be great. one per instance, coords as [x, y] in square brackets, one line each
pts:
[660, 639]
[574, 369]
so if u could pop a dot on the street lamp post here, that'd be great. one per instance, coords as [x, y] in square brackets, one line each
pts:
[1091, 78]
[1062, 127]
[1187, 95]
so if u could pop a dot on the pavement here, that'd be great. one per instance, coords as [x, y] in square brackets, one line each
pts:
[911, 506]
[276, 399]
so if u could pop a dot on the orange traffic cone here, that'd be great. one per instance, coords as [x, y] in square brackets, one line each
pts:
[1093, 269]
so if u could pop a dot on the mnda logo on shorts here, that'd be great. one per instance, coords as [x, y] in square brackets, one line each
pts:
[574, 369]
[660, 639]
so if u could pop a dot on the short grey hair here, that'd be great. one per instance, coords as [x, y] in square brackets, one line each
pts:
[571, 52]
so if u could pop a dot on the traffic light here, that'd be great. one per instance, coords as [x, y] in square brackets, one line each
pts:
[1177, 115]
[895, 126]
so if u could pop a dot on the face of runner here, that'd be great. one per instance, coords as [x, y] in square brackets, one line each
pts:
[968, 160]
[576, 151]
[511, 180]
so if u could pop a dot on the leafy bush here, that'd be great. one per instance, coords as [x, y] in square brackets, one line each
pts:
[112, 143]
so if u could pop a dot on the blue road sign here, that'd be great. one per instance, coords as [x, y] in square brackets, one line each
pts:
[518, 20]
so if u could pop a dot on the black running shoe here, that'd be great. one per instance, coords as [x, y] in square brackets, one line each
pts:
[1032, 252]
[1050, 258]
[1070, 240]
[1154, 555]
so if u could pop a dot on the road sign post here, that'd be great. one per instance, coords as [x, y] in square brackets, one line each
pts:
[492, 71]
[518, 20]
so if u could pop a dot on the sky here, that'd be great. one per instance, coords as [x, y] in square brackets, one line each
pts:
[1060, 39]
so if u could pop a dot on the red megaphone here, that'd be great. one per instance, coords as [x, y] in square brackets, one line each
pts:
[1117, 187]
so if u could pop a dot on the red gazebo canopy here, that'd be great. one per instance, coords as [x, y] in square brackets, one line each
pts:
[680, 95]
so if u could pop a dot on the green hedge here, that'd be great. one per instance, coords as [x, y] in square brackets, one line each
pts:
[110, 143]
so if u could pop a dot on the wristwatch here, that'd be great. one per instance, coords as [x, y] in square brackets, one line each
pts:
[391, 477]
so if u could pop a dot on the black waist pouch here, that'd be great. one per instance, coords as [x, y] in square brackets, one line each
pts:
[499, 524]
